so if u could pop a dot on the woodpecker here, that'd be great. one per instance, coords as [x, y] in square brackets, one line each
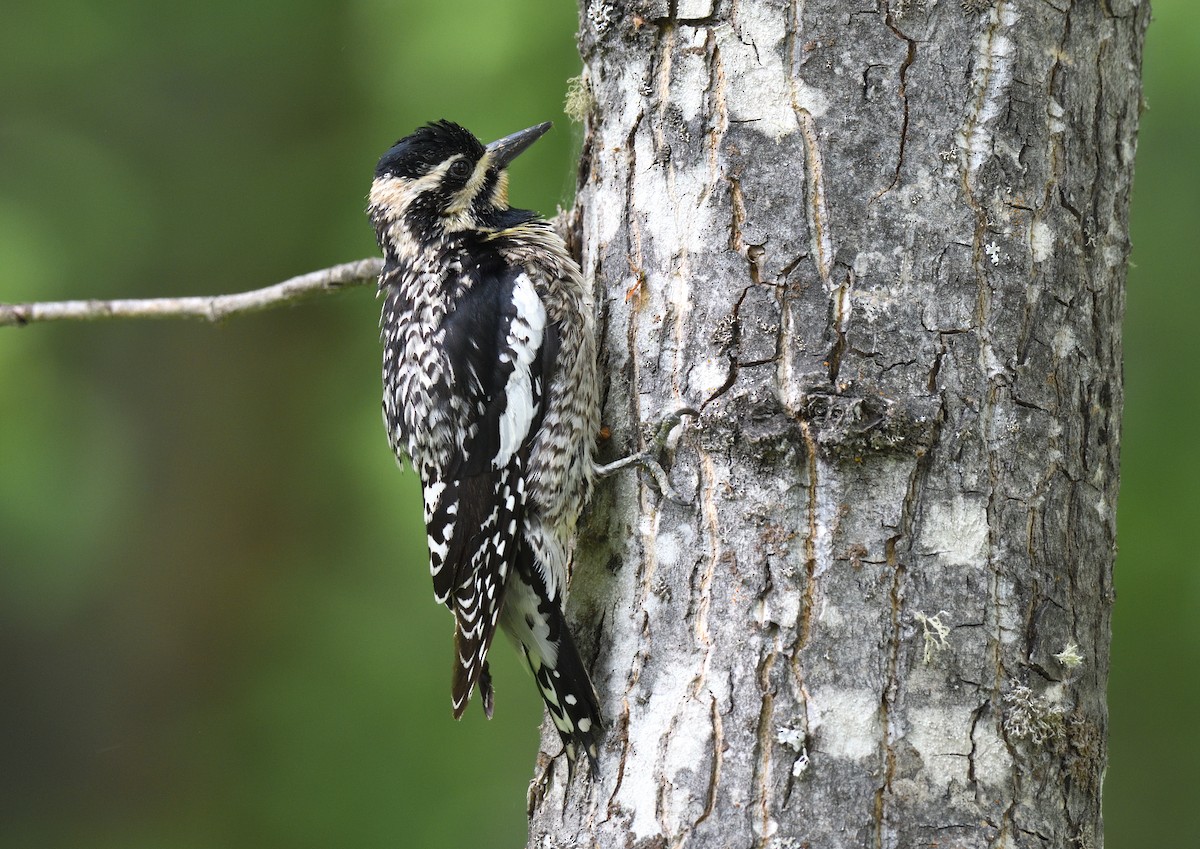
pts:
[490, 390]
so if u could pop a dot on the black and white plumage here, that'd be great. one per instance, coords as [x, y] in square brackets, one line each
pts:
[490, 389]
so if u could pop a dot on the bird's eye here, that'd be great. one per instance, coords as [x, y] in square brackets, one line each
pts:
[460, 168]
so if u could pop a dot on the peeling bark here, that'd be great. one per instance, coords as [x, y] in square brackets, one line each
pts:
[883, 250]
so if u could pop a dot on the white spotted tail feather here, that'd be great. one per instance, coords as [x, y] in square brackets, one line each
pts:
[535, 621]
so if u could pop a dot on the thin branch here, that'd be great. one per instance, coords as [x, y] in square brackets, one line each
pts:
[209, 308]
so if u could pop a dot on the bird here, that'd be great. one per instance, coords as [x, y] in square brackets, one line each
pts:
[491, 392]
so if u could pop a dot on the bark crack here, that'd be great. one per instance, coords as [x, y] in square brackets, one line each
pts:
[909, 58]
[993, 73]
[621, 731]
[817, 212]
[804, 625]
[733, 331]
[842, 310]
[905, 532]
[764, 740]
[714, 778]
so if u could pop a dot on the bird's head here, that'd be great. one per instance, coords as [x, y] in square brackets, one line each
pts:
[441, 179]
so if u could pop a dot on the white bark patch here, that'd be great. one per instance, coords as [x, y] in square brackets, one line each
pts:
[995, 54]
[941, 734]
[1041, 241]
[993, 761]
[766, 829]
[830, 614]
[709, 375]
[1055, 111]
[811, 100]
[848, 722]
[638, 789]
[1007, 612]
[607, 216]
[957, 532]
[681, 214]
[689, 85]
[671, 544]
[992, 361]
[644, 772]
[690, 9]
[827, 513]
[687, 751]
[759, 87]
[778, 608]
[1064, 342]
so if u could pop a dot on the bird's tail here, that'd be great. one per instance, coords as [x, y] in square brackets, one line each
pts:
[537, 624]
[570, 698]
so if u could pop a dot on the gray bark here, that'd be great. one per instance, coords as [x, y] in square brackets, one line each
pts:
[883, 247]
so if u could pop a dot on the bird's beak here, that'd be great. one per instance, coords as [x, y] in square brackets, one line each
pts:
[507, 149]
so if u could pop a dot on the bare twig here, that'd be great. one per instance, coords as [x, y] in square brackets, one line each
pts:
[209, 308]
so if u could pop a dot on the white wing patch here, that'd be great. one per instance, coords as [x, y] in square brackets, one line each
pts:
[522, 345]
[433, 496]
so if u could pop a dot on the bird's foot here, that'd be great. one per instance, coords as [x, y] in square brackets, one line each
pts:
[648, 459]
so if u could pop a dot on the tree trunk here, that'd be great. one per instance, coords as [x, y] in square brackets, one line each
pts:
[883, 249]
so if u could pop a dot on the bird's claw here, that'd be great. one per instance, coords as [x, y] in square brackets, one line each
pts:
[648, 459]
[668, 424]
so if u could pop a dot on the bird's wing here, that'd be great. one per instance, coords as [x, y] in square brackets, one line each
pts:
[475, 509]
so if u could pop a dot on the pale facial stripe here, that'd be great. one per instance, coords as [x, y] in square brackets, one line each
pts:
[396, 193]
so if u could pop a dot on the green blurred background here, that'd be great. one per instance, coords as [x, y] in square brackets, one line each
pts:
[216, 628]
